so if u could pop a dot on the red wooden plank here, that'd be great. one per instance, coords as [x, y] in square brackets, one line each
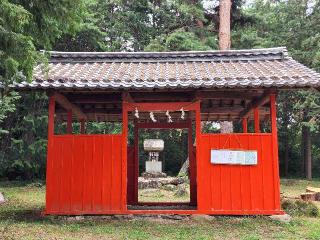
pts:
[88, 181]
[268, 181]
[204, 184]
[107, 173]
[225, 176]
[117, 174]
[235, 178]
[77, 175]
[256, 176]
[97, 173]
[54, 180]
[246, 180]
[65, 167]
[217, 199]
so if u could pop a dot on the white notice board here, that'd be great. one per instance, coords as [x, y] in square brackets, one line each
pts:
[237, 157]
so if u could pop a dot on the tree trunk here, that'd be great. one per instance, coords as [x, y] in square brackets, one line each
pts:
[224, 25]
[303, 160]
[286, 155]
[306, 140]
[225, 43]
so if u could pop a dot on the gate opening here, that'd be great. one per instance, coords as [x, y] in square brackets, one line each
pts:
[163, 171]
[161, 167]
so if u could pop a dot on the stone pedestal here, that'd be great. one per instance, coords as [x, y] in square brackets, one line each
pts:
[154, 166]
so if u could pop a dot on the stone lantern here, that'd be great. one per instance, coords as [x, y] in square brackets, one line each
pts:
[154, 147]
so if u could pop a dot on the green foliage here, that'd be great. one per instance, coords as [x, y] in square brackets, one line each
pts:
[23, 147]
[7, 105]
[182, 41]
[150, 25]
[179, 40]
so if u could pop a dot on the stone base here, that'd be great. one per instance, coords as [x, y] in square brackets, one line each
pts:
[153, 166]
[147, 175]
[144, 183]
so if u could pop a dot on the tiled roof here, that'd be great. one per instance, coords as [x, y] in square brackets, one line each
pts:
[255, 68]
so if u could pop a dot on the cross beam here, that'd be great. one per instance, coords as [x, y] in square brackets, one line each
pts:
[69, 106]
[257, 102]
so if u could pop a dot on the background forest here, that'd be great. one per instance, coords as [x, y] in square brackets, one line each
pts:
[27, 26]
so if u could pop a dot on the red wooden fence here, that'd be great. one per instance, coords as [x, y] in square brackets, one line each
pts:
[84, 174]
[238, 189]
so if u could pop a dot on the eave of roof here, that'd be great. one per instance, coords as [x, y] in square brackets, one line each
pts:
[254, 68]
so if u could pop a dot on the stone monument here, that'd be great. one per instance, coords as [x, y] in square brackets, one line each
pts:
[153, 165]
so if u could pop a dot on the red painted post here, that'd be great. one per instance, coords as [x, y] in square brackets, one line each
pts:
[136, 161]
[245, 125]
[69, 122]
[256, 120]
[274, 131]
[51, 111]
[50, 145]
[199, 179]
[82, 126]
[124, 156]
[192, 170]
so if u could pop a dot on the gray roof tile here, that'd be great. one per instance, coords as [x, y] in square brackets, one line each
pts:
[144, 70]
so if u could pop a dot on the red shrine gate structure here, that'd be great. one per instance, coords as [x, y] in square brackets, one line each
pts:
[97, 173]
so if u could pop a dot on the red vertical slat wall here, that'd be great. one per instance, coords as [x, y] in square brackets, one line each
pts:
[84, 175]
[237, 189]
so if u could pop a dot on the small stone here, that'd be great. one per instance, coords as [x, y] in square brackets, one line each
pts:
[181, 191]
[75, 218]
[2, 199]
[174, 217]
[169, 187]
[285, 218]
[177, 181]
[202, 217]
[123, 217]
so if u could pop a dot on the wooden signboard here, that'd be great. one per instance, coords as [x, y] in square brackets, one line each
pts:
[236, 157]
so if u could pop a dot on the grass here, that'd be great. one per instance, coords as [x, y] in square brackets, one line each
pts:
[163, 195]
[20, 218]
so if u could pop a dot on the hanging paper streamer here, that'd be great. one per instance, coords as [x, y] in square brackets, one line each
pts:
[136, 113]
[182, 113]
[152, 117]
[169, 117]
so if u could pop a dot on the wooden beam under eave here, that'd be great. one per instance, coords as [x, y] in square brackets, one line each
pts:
[203, 95]
[126, 97]
[257, 102]
[69, 106]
